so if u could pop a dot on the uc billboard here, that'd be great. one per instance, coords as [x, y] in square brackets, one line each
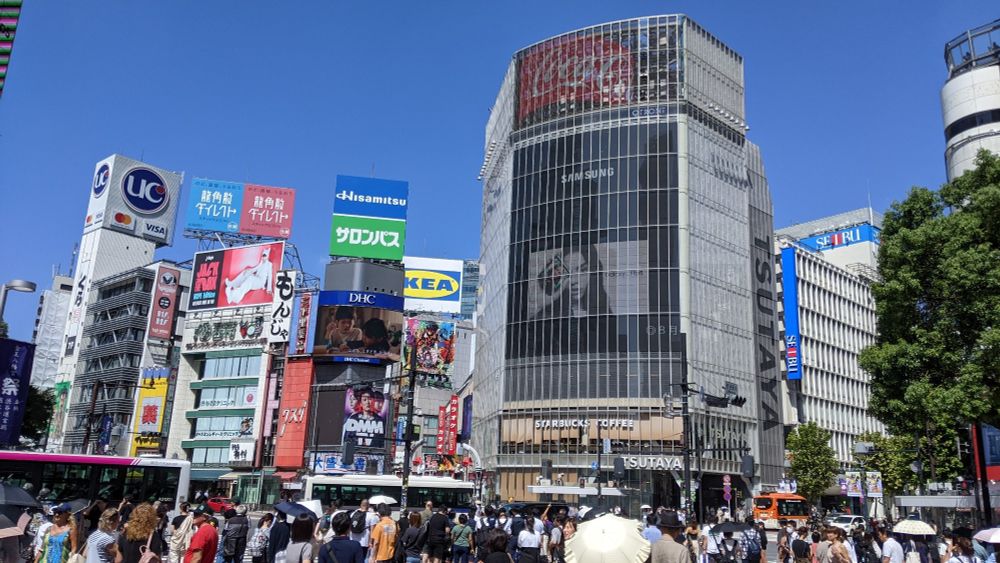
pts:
[369, 218]
[433, 285]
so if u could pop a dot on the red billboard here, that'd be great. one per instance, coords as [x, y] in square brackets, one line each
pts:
[161, 313]
[569, 70]
[235, 277]
[267, 211]
[293, 414]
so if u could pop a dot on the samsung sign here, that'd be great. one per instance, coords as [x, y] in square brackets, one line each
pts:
[371, 197]
[790, 286]
[433, 285]
[361, 299]
[845, 237]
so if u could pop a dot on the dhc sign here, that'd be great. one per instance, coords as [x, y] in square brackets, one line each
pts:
[845, 237]
[361, 299]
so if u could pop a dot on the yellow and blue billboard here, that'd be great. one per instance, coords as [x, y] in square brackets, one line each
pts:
[433, 285]
[147, 424]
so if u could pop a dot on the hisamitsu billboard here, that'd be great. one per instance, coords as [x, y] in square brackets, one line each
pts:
[433, 284]
[369, 218]
[371, 197]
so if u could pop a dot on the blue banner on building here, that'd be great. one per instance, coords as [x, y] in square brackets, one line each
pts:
[16, 359]
[844, 237]
[215, 206]
[371, 197]
[361, 299]
[790, 287]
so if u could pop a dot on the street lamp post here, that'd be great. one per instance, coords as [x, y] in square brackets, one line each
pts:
[14, 285]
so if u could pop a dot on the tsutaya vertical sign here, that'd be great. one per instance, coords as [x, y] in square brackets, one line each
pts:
[281, 308]
[164, 307]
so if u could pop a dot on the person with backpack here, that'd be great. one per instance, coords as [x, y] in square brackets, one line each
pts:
[362, 522]
[462, 542]
[341, 548]
[278, 537]
[235, 535]
[484, 524]
[515, 525]
[258, 541]
[730, 550]
[751, 543]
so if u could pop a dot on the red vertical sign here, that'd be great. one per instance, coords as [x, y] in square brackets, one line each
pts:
[453, 425]
[293, 414]
[302, 326]
[161, 313]
[442, 433]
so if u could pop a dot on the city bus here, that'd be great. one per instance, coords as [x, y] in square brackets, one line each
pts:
[349, 490]
[772, 508]
[55, 478]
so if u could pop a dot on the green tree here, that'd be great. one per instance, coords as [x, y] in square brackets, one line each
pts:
[37, 415]
[814, 463]
[893, 456]
[936, 362]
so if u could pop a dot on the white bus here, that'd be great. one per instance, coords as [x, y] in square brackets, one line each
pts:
[56, 478]
[349, 490]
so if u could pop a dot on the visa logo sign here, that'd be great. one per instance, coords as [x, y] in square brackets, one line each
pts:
[432, 284]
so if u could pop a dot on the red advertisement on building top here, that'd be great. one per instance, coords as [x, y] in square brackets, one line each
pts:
[161, 313]
[235, 277]
[267, 211]
[593, 70]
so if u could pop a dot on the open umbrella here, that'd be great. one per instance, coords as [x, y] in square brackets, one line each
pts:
[8, 529]
[607, 539]
[913, 528]
[16, 496]
[989, 535]
[380, 499]
[78, 505]
[295, 509]
[734, 527]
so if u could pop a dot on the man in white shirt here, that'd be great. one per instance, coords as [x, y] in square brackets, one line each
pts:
[892, 550]
[709, 542]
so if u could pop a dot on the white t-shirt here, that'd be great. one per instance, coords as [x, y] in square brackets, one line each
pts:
[711, 542]
[371, 519]
[893, 550]
[539, 526]
[529, 538]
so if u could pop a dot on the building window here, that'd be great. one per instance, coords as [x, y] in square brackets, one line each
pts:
[209, 456]
[239, 366]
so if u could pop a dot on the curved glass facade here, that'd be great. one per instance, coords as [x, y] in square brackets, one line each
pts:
[617, 222]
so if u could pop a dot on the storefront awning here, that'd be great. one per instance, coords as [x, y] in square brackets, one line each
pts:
[285, 475]
[940, 501]
[207, 474]
[570, 490]
[231, 476]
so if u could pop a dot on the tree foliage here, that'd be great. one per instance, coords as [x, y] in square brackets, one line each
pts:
[814, 463]
[37, 415]
[893, 456]
[937, 358]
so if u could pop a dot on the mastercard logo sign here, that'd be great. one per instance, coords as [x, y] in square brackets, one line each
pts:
[432, 284]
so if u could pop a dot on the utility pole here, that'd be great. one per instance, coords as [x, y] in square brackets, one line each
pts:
[408, 432]
[686, 424]
[600, 448]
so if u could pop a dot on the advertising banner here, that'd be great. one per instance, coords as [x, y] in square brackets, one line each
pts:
[434, 343]
[267, 211]
[293, 413]
[790, 286]
[243, 332]
[873, 482]
[452, 431]
[16, 358]
[365, 414]
[592, 70]
[366, 237]
[442, 432]
[164, 306]
[358, 332]
[332, 463]
[281, 307]
[215, 206]
[10, 12]
[853, 483]
[302, 323]
[369, 218]
[235, 277]
[844, 237]
[466, 434]
[433, 285]
[361, 299]
[147, 425]
[135, 198]
[241, 452]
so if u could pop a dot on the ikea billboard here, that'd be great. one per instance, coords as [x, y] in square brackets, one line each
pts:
[433, 285]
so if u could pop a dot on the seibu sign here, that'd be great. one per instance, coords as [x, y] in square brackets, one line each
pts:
[624, 423]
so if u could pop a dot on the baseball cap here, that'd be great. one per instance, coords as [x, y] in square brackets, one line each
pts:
[64, 507]
[203, 509]
[645, 507]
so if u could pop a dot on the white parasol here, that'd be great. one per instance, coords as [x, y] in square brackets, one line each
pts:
[989, 535]
[913, 528]
[607, 539]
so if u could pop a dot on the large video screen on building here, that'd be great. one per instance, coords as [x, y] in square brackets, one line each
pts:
[594, 266]
[358, 334]
[597, 68]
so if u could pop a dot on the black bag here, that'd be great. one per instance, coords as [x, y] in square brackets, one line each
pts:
[358, 524]
[516, 525]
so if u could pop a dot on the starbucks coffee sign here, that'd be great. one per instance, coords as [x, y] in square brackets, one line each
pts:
[624, 423]
[660, 463]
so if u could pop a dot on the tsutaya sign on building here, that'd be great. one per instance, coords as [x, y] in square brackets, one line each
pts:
[653, 462]
[625, 423]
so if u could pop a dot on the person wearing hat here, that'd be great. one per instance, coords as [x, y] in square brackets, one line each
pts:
[60, 540]
[205, 542]
[669, 549]
[235, 535]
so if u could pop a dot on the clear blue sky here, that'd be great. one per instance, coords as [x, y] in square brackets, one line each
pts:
[841, 96]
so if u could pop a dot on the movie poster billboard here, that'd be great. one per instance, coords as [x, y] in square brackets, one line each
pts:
[365, 414]
[16, 358]
[873, 481]
[434, 343]
[358, 334]
[281, 308]
[433, 285]
[302, 323]
[235, 207]
[147, 420]
[164, 307]
[235, 277]
[854, 484]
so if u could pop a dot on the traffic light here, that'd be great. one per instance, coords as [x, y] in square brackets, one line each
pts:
[348, 457]
[619, 468]
[746, 466]
[738, 401]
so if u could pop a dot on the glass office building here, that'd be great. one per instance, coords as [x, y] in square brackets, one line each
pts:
[626, 233]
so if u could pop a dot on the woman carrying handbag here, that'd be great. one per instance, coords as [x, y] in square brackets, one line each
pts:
[140, 541]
